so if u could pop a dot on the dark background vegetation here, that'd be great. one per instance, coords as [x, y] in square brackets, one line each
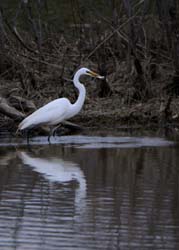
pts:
[134, 43]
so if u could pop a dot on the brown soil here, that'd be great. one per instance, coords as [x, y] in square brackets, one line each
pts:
[128, 105]
[109, 113]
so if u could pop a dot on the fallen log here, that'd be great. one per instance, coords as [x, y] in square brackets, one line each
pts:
[10, 111]
[21, 103]
[72, 126]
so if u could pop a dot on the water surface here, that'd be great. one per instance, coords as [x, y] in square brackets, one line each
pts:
[87, 192]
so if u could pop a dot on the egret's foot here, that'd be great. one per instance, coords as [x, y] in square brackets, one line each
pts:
[54, 133]
[54, 130]
[49, 138]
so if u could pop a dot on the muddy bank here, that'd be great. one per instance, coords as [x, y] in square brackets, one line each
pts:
[110, 113]
[136, 49]
[118, 109]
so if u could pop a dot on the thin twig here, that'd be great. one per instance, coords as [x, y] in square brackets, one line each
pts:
[108, 37]
[41, 61]
[18, 37]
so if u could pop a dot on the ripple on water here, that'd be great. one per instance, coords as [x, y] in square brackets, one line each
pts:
[82, 141]
[70, 197]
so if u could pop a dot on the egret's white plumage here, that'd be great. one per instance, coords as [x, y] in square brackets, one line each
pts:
[60, 109]
[61, 171]
[49, 114]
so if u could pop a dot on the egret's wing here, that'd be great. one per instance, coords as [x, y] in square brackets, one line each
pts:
[48, 114]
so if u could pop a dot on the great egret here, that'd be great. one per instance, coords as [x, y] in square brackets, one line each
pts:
[58, 170]
[60, 109]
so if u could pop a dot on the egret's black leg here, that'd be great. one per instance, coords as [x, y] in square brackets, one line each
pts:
[54, 129]
[50, 134]
[49, 138]
[54, 132]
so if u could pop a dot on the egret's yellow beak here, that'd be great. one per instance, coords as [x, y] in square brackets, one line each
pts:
[93, 74]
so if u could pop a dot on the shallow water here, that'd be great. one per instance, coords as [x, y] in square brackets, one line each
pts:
[85, 192]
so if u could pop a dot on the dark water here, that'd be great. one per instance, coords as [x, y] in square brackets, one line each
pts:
[89, 193]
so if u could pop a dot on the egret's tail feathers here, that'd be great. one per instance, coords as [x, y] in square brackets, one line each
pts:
[29, 122]
[21, 125]
[25, 124]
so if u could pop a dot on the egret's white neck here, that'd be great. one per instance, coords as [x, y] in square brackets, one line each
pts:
[82, 93]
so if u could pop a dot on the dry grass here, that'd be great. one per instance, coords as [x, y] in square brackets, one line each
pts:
[133, 51]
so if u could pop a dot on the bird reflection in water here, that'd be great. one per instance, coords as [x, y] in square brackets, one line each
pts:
[60, 171]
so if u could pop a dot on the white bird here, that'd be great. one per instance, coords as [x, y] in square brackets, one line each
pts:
[58, 170]
[60, 109]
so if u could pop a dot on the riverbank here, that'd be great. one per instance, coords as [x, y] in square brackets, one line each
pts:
[126, 98]
[137, 53]
[111, 113]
